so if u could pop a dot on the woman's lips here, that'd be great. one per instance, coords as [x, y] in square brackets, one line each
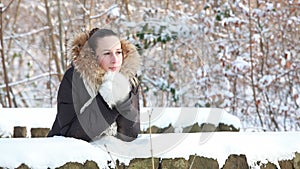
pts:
[113, 68]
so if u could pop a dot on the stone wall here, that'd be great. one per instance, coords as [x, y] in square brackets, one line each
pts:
[234, 161]
[21, 131]
[205, 127]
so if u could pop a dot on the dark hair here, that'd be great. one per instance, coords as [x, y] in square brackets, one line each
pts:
[96, 33]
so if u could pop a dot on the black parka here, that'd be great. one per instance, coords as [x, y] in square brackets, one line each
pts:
[87, 116]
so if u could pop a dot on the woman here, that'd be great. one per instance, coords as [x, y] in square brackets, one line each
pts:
[99, 92]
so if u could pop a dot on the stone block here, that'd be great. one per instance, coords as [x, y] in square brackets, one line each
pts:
[39, 132]
[73, 165]
[145, 163]
[207, 127]
[176, 163]
[90, 165]
[225, 127]
[269, 165]
[286, 164]
[197, 162]
[168, 129]
[23, 166]
[192, 129]
[236, 162]
[297, 160]
[20, 131]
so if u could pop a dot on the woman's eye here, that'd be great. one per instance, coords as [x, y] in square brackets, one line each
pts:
[107, 53]
[119, 52]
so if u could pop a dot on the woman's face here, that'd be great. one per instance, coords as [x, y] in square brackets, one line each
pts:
[109, 53]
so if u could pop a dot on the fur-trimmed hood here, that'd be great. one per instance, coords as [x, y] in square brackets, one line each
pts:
[85, 62]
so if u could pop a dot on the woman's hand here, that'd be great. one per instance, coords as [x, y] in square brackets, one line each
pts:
[115, 88]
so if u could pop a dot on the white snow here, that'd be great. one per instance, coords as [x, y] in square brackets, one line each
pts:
[56, 151]
[160, 117]
[29, 117]
[47, 152]
[259, 146]
[186, 116]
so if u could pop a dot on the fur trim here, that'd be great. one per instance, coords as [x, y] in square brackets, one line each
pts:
[131, 60]
[86, 64]
[112, 130]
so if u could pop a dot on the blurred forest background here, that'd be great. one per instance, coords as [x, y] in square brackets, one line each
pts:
[240, 55]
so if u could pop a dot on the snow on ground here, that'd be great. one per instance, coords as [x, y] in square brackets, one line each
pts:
[56, 151]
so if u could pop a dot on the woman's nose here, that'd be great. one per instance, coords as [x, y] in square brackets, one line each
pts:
[114, 58]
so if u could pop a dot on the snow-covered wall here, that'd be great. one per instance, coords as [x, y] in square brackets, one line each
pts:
[56, 151]
[160, 117]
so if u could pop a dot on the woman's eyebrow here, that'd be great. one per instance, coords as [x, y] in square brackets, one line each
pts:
[106, 50]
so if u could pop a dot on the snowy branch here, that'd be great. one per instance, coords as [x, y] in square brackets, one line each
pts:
[28, 80]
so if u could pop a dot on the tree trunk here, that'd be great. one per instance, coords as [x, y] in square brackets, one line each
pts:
[52, 40]
[3, 61]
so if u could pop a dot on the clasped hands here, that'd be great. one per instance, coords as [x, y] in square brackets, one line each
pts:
[115, 88]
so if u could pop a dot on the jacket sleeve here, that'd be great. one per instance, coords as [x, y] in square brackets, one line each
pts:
[128, 121]
[65, 110]
[96, 118]
[92, 118]
[69, 122]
